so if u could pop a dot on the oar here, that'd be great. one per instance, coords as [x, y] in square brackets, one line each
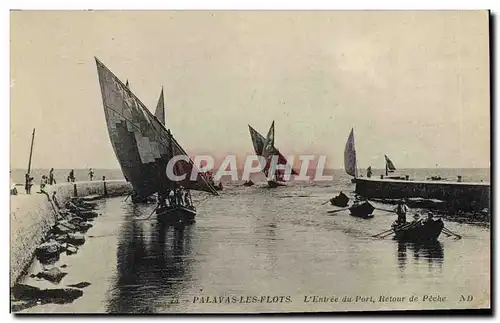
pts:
[391, 211]
[404, 227]
[447, 234]
[386, 235]
[391, 231]
[446, 230]
[325, 202]
[378, 234]
[335, 211]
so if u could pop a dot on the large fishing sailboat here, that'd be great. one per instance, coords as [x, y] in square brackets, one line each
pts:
[160, 109]
[350, 160]
[144, 147]
[264, 146]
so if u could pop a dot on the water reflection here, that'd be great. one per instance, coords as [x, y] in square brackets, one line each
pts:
[432, 253]
[151, 266]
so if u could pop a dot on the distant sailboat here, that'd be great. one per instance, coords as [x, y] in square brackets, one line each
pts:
[389, 166]
[258, 142]
[390, 169]
[268, 151]
[144, 147]
[350, 161]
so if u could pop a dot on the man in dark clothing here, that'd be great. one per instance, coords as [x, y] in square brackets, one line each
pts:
[26, 183]
[52, 181]
[178, 195]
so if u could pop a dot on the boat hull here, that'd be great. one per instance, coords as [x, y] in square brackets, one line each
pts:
[176, 214]
[340, 200]
[362, 210]
[428, 231]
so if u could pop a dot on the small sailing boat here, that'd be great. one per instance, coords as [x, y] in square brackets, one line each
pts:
[144, 147]
[350, 161]
[258, 145]
[390, 169]
[264, 146]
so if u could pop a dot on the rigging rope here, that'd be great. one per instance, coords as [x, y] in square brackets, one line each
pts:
[206, 198]
[147, 218]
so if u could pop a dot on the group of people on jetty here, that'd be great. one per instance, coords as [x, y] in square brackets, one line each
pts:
[175, 197]
[49, 180]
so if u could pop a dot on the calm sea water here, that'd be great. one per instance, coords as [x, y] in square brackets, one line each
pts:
[281, 243]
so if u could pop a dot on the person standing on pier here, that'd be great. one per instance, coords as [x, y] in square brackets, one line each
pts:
[71, 177]
[52, 181]
[43, 182]
[28, 183]
[91, 174]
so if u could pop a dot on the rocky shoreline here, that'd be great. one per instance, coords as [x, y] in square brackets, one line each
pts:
[48, 224]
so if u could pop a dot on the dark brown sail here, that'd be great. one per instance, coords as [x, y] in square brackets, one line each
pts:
[258, 146]
[141, 143]
[160, 109]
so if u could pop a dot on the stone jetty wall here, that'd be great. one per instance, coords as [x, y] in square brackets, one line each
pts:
[459, 195]
[32, 216]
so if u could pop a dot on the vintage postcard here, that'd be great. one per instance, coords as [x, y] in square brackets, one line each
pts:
[249, 161]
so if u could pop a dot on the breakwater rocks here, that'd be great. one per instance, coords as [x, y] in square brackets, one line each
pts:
[51, 222]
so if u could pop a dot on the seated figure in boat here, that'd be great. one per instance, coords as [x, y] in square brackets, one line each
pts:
[178, 196]
[171, 198]
[431, 220]
[369, 172]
